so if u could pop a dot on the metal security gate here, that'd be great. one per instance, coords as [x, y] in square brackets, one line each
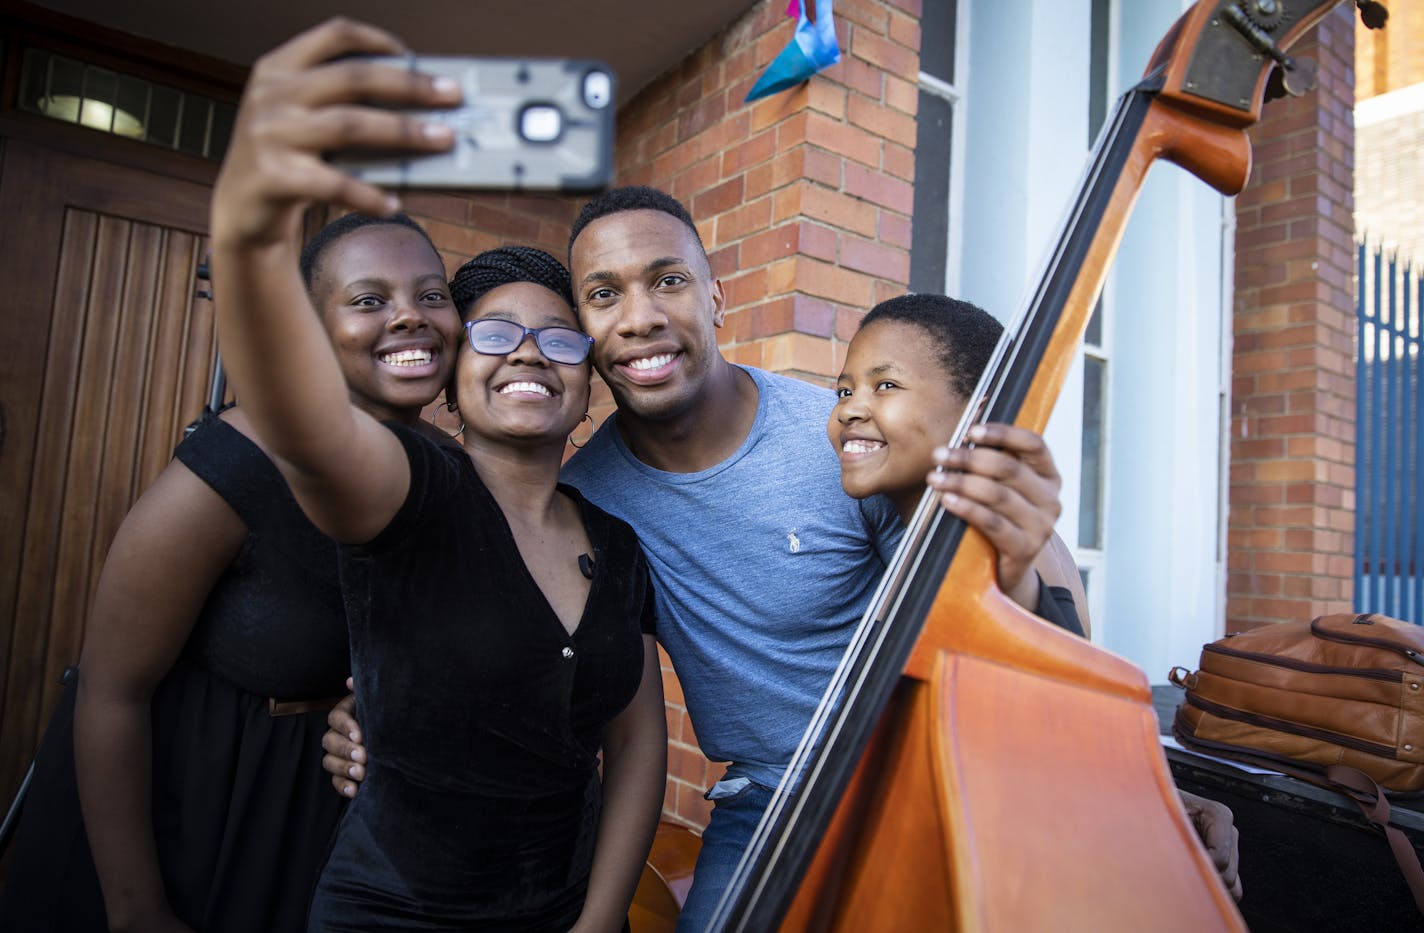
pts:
[1389, 438]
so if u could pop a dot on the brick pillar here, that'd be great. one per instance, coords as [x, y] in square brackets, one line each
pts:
[1393, 57]
[1291, 528]
[803, 200]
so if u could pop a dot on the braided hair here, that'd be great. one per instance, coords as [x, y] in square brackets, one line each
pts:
[503, 265]
[963, 335]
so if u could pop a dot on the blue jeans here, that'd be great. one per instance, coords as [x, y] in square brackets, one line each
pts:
[735, 814]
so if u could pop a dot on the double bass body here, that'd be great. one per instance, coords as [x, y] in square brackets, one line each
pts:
[1004, 793]
[978, 769]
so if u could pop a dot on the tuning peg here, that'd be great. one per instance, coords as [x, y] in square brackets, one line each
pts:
[1372, 13]
[1294, 76]
[1298, 76]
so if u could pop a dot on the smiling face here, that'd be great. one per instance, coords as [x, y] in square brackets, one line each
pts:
[521, 395]
[382, 297]
[895, 405]
[648, 298]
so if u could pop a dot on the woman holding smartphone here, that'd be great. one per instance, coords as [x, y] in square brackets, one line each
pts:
[500, 625]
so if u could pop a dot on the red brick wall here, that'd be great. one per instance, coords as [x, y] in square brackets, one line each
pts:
[802, 199]
[462, 226]
[1290, 531]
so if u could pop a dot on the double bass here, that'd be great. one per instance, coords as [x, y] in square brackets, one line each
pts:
[970, 767]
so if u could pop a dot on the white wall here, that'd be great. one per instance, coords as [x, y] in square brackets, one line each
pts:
[1026, 144]
[1169, 331]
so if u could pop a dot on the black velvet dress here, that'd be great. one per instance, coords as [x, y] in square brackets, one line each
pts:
[243, 813]
[482, 715]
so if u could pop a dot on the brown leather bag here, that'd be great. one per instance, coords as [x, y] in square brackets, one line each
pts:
[1341, 690]
[1338, 701]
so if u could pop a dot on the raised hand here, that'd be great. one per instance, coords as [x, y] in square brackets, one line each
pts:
[1006, 486]
[304, 99]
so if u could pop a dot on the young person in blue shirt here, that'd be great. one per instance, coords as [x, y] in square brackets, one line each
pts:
[909, 372]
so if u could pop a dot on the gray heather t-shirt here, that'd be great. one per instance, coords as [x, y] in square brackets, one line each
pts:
[762, 566]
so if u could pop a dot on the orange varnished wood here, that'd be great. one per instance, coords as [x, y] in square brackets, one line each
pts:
[1186, 33]
[666, 879]
[999, 781]
[1011, 637]
[1061, 809]
[896, 853]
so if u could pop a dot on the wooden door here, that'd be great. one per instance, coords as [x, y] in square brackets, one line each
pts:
[106, 356]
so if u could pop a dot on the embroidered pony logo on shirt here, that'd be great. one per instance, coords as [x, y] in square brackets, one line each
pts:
[793, 543]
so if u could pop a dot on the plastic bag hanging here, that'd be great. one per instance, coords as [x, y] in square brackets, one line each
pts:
[813, 48]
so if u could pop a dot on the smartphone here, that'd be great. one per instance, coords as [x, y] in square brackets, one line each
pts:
[527, 124]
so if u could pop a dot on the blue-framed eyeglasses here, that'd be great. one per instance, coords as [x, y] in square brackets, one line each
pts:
[497, 337]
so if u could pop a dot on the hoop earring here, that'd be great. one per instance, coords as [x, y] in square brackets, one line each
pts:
[435, 418]
[586, 417]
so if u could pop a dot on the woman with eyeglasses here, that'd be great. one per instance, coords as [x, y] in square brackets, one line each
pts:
[500, 625]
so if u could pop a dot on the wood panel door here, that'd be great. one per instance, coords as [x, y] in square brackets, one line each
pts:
[106, 356]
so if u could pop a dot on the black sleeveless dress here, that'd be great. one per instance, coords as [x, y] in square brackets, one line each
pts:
[243, 813]
[482, 715]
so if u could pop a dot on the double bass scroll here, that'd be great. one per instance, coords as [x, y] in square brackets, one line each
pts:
[972, 768]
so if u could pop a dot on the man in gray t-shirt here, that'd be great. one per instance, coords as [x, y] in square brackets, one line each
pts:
[762, 564]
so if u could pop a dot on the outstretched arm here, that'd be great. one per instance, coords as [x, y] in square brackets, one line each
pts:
[349, 474]
[1006, 486]
[634, 771]
[182, 533]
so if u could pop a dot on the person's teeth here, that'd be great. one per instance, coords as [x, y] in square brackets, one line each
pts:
[861, 447]
[407, 358]
[534, 387]
[651, 362]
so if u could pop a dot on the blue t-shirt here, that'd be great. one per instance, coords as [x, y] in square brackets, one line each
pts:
[762, 567]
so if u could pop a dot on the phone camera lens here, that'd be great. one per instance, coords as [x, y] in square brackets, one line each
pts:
[541, 123]
[597, 89]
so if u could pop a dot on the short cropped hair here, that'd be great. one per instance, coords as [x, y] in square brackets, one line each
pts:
[503, 265]
[963, 334]
[346, 224]
[633, 198]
